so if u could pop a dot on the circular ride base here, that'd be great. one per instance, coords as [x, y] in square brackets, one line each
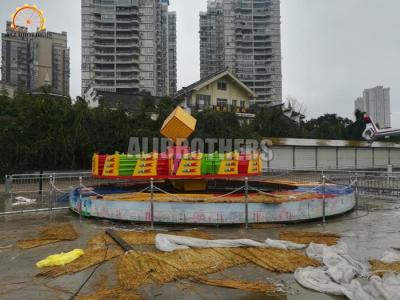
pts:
[272, 201]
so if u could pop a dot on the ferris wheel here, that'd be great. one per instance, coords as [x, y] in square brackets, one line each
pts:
[30, 17]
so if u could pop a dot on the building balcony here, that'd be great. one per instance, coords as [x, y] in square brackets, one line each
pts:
[127, 21]
[103, 45]
[104, 78]
[134, 45]
[104, 37]
[104, 29]
[127, 69]
[126, 61]
[127, 53]
[104, 61]
[102, 70]
[132, 85]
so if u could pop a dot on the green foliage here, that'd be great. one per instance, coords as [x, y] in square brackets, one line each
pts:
[46, 132]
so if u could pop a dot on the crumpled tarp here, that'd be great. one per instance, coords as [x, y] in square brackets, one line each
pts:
[390, 257]
[340, 276]
[169, 243]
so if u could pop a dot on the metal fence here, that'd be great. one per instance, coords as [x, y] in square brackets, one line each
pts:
[42, 192]
[50, 191]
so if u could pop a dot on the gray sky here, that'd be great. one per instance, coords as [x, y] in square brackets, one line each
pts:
[331, 50]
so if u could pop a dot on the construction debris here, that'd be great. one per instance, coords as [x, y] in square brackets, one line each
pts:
[50, 235]
[250, 286]
[102, 247]
[306, 237]
[136, 268]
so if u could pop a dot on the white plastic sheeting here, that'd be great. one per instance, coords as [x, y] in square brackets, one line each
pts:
[390, 257]
[340, 273]
[169, 243]
[23, 201]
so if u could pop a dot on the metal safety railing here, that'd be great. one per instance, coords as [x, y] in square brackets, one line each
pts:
[42, 191]
[50, 191]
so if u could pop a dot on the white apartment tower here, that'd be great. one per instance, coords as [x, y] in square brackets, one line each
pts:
[244, 36]
[125, 46]
[376, 103]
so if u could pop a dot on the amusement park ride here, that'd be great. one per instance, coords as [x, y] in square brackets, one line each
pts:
[28, 18]
[373, 133]
[178, 163]
[198, 188]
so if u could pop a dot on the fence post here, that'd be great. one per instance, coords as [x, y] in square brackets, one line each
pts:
[356, 190]
[8, 189]
[152, 202]
[40, 182]
[8, 184]
[51, 194]
[246, 200]
[323, 199]
[80, 198]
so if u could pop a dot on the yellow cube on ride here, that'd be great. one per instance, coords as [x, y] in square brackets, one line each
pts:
[179, 125]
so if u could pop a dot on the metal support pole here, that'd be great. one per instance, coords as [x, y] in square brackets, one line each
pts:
[51, 196]
[8, 184]
[246, 200]
[9, 190]
[356, 190]
[80, 198]
[323, 199]
[152, 202]
[40, 182]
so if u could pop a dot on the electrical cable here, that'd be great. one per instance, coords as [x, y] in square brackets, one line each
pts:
[92, 273]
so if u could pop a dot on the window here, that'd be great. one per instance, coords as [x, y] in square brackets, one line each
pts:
[222, 85]
[234, 103]
[222, 102]
[203, 101]
[242, 103]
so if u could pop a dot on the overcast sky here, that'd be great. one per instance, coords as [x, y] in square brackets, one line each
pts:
[331, 50]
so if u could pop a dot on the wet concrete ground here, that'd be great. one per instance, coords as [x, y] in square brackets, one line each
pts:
[368, 234]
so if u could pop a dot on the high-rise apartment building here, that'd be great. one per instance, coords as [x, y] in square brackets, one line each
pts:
[244, 36]
[376, 103]
[126, 46]
[32, 60]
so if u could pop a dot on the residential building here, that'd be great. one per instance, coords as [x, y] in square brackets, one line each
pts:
[32, 60]
[221, 91]
[244, 36]
[376, 103]
[125, 44]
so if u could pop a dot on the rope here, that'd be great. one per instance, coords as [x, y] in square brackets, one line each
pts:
[294, 196]
[204, 199]
[57, 189]
[352, 183]
[100, 195]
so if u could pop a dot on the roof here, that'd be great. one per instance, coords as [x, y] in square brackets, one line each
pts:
[209, 79]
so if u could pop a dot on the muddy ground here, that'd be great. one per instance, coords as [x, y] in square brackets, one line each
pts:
[368, 232]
